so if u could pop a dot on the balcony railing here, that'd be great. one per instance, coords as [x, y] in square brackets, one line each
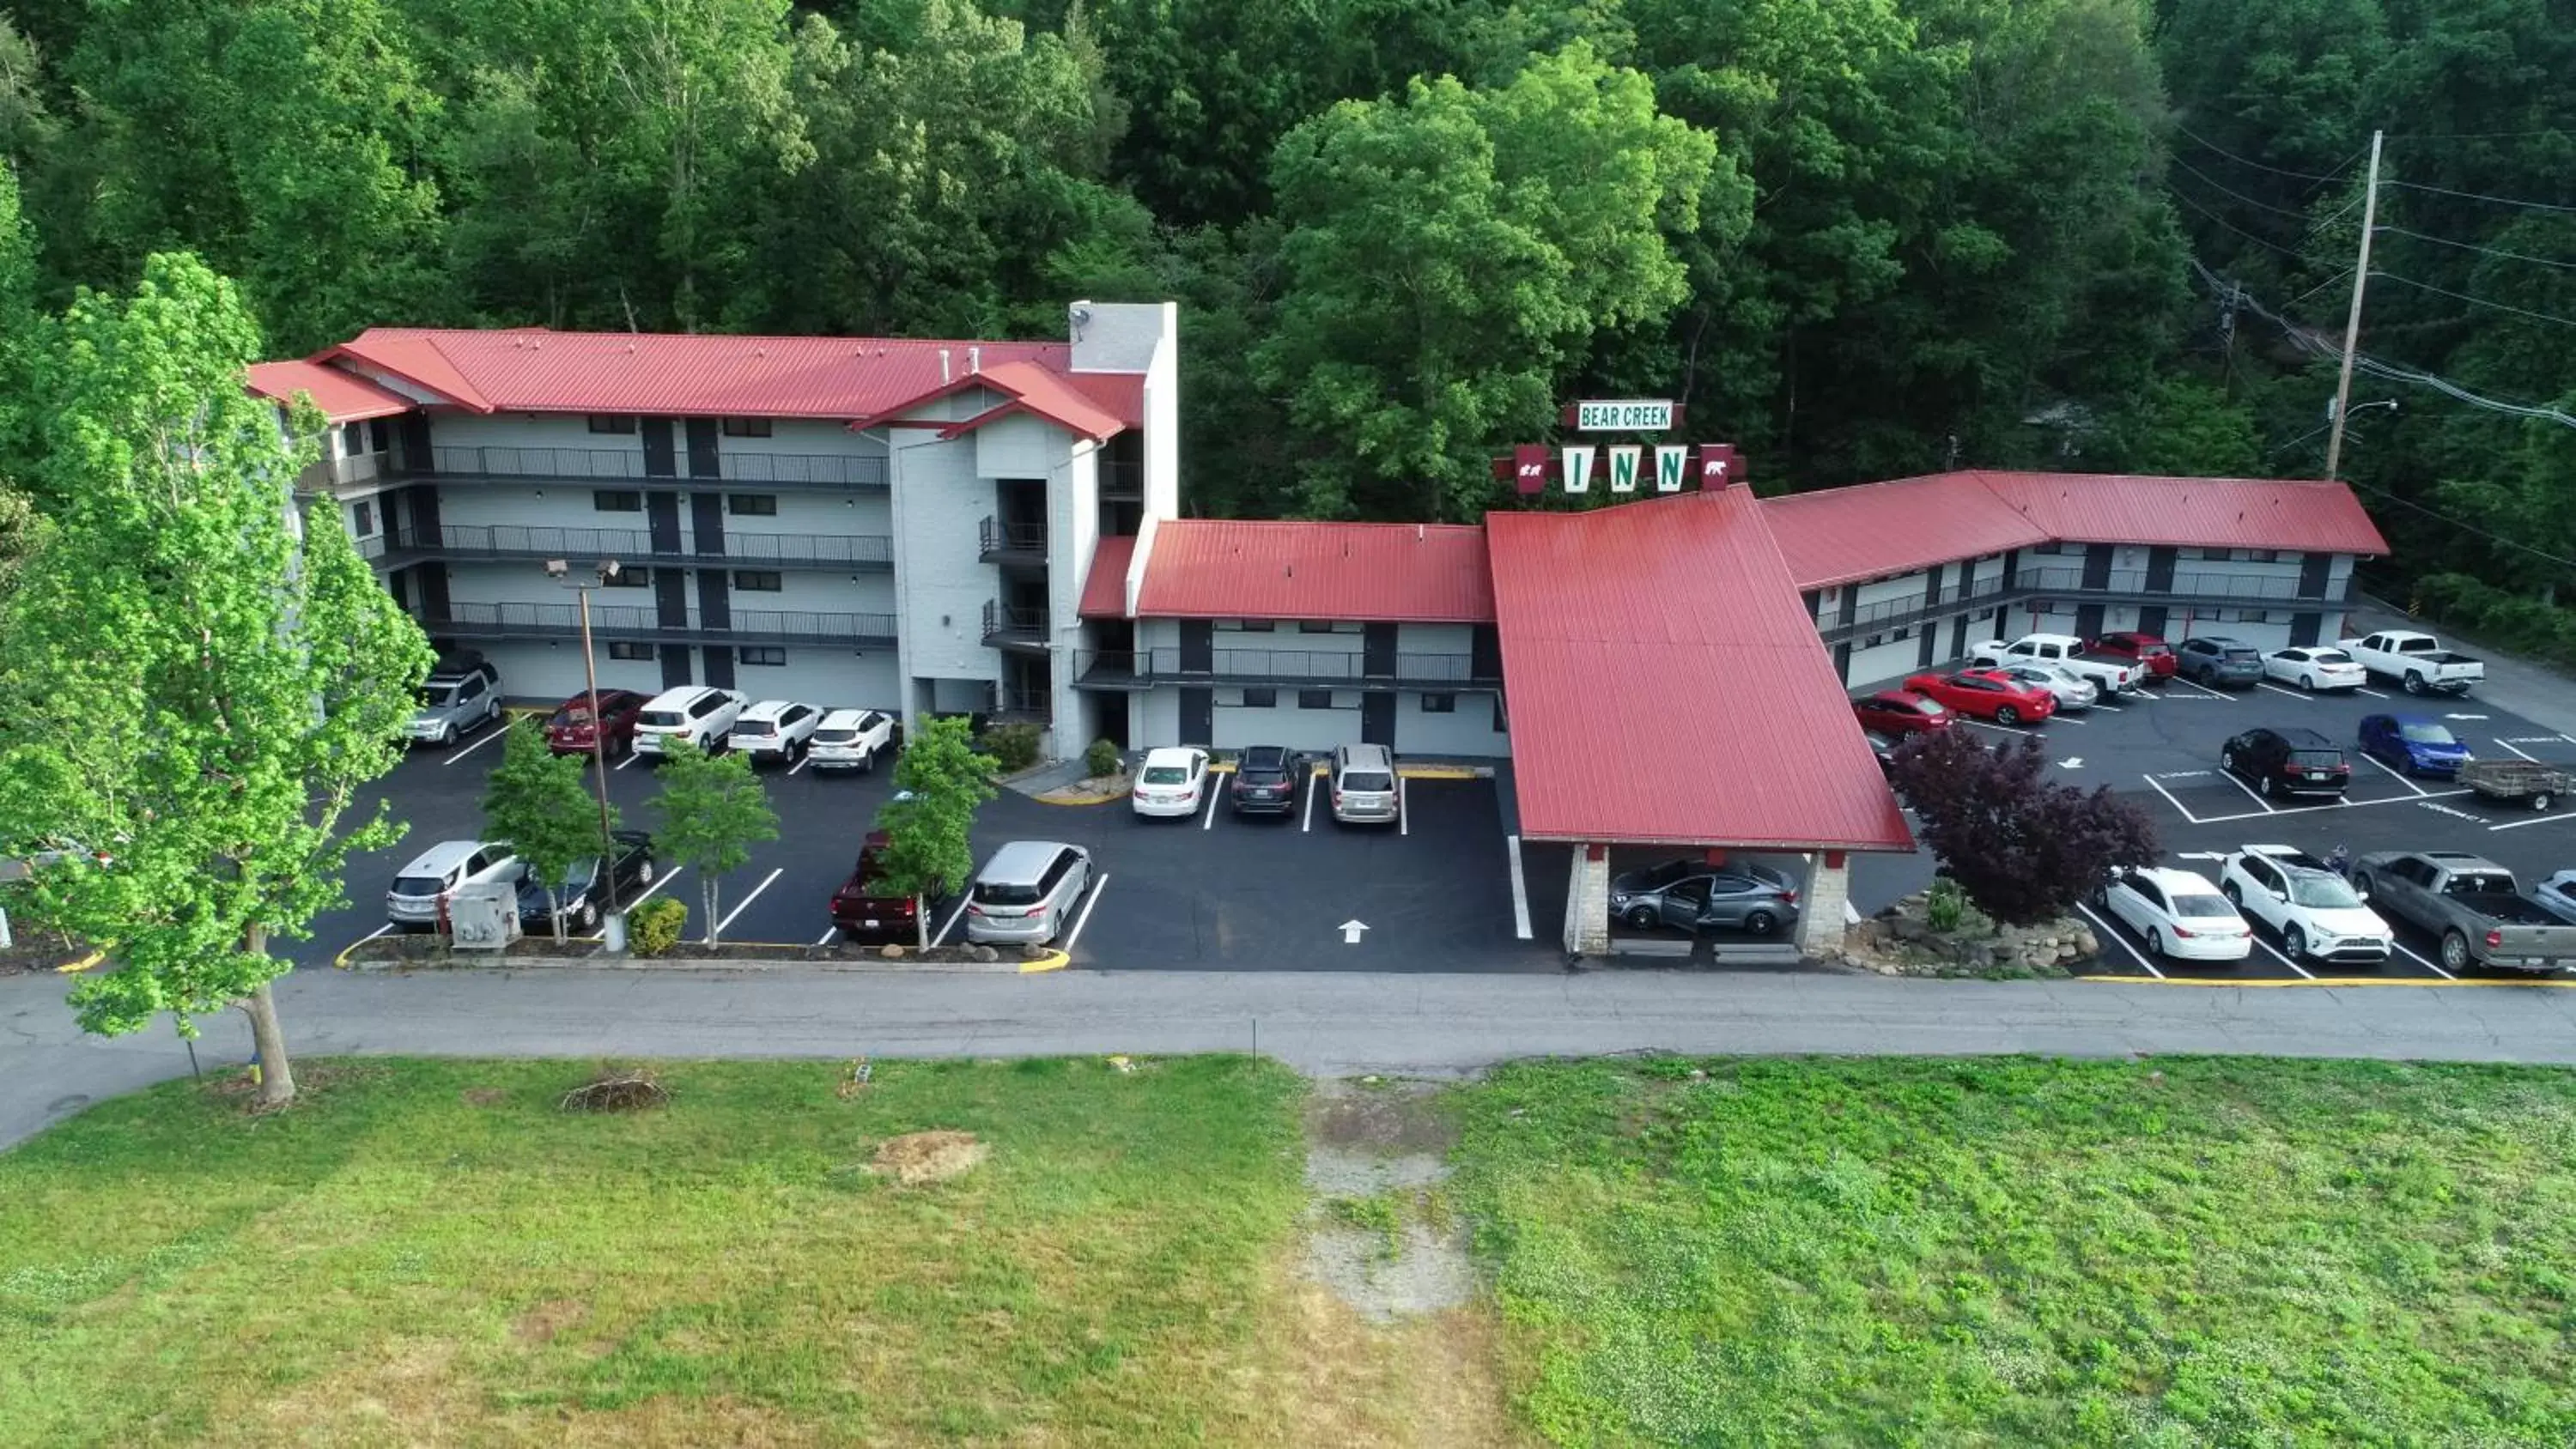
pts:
[2122, 586]
[1013, 623]
[2188, 585]
[999, 542]
[1122, 479]
[640, 621]
[626, 465]
[1024, 704]
[584, 545]
[1141, 668]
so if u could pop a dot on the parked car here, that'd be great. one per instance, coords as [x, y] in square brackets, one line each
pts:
[423, 889]
[2416, 661]
[584, 892]
[2470, 905]
[454, 701]
[774, 729]
[2290, 761]
[693, 714]
[1692, 895]
[2313, 667]
[1364, 785]
[2151, 654]
[2557, 895]
[864, 916]
[2214, 661]
[1883, 748]
[2074, 692]
[1901, 712]
[1265, 780]
[1171, 784]
[2317, 912]
[2109, 673]
[2413, 745]
[1027, 892]
[2182, 916]
[577, 729]
[1986, 694]
[850, 739]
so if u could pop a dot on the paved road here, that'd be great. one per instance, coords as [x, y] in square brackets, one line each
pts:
[1321, 1023]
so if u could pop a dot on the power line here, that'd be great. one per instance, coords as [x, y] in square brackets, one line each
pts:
[2482, 196]
[2240, 231]
[2479, 301]
[2319, 287]
[2473, 135]
[2474, 247]
[2494, 538]
[2259, 166]
[2223, 190]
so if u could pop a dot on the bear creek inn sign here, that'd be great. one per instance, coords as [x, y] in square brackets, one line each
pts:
[1622, 466]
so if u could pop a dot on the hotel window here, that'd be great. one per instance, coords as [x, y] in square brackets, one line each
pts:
[752, 505]
[1261, 699]
[1314, 626]
[746, 427]
[758, 581]
[637, 653]
[362, 519]
[1314, 699]
[1439, 704]
[1256, 626]
[766, 654]
[612, 422]
[380, 437]
[616, 500]
[353, 440]
[627, 579]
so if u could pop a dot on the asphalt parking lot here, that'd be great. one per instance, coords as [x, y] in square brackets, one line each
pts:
[2161, 749]
[1213, 892]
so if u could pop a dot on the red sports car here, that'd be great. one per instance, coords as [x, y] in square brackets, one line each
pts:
[1900, 712]
[1987, 694]
[573, 728]
[2146, 650]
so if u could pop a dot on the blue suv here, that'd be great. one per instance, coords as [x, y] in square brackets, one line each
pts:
[2413, 745]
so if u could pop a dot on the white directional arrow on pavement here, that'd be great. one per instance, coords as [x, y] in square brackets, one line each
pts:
[2464, 716]
[2071, 762]
[1351, 931]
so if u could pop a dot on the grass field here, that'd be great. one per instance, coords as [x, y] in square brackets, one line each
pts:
[2024, 1253]
[430, 1252]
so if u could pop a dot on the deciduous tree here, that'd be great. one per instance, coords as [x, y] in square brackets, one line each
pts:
[939, 782]
[536, 800]
[2023, 848]
[713, 812]
[193, 680]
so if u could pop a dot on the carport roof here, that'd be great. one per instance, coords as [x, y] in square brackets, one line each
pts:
[1666, 686]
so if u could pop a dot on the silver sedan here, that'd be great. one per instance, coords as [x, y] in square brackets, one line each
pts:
[2073, 690]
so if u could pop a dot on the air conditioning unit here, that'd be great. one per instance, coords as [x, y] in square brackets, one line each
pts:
[484, 916]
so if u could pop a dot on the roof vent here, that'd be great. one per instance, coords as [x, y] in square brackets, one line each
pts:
[760, 352]
[1417, 533]
[630, 347]
[974, 359]
[943, 367]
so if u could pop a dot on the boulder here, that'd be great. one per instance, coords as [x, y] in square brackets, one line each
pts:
[892, 952]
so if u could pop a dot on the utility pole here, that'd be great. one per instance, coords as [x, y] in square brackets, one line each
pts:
[2352, 319]
[612, 922]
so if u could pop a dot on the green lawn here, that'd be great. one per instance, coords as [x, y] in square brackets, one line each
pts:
[430, 1252]
[2024, 1253]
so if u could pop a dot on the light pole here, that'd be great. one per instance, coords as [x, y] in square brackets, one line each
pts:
[612, 922]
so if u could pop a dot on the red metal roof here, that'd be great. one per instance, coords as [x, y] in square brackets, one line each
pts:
[1838, 535]
[1104, 590]
[679, 375]
[342, 397]
[1033, 389]
[1665, 685]
[1223, 569]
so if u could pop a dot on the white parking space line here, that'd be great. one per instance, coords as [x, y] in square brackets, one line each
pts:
[2062, 717]
[1084, 918]
[1210, 822]
[1313, 782]
[2508, 744]
[2202, 689]
[659, 881]
[2248, 789]
[2535, 820]
[2397, 776]
[2433, 966]
[1987, 724]
[950, 924]
[801, 763]
[2348, 805]
[2283, 957]
[378, 931]
[631, 758]
[828, 937]
[1403, 815]
[2365, 689]
[1520, 889]
[461, 751]
[2112, 933]
[2169, 799]
[2276, 689]
[747, 900]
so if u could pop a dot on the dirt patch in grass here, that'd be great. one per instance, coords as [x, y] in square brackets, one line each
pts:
[1380, 1118]
[1431, 1381]
[1378, 1234]
[541, 1323]
[484, 1096]
[925, 1157]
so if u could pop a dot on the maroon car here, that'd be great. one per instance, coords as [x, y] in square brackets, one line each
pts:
[873, 919]
[2146, 651]
[575, 728]
[1897, 713]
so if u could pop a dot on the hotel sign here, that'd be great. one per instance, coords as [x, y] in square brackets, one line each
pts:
[1629, 415]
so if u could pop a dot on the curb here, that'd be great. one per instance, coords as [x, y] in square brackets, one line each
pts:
[1080, 799]
[2269, 983]
[1052, 961]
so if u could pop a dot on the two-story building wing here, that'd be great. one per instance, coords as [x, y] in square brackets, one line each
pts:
[898, 524]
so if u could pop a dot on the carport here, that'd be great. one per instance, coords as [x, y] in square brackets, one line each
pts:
[1667, 689]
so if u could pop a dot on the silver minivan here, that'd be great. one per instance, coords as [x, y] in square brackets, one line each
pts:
[418, 900]
[1026, 892]
[1364, 785]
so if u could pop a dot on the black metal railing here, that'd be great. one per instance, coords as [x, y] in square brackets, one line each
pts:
[583, 546]
[1123, 479]
[626, 465]
[996, 540]
[1129, 669]
[2067, 586]
[1013, 623]
[2188, 585]
[1014, 703]
[630, 621]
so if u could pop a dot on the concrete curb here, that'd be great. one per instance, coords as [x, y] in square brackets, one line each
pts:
[1051, 961]
[2270, 983]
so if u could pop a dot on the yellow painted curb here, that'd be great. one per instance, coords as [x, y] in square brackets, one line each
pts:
[1081, 799]
[1437, 772]
[1051, 961]
[2268, 982]
[71, 968]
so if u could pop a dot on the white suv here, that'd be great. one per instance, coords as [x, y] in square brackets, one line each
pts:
[850, 739]
[418, 901]
[693, 714]
[774, 729]
[2317, 912]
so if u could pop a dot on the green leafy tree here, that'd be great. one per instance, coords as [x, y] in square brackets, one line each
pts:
[21, 338]
[536, 800]
[713, 812]
[939, 782]
[26, 126]
[192, 678]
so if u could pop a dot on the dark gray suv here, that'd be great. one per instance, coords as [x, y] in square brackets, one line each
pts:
[2212, 660]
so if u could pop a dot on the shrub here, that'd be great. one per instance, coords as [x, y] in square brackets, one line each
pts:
[2023, 849]
[653, 928]
[1945, 906]
[1100, 759]
[1014, 747]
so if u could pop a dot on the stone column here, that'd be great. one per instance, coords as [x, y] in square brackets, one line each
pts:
[1822, 910]
[1587, 902]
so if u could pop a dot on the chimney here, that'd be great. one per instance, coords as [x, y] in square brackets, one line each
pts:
[943, 367]
[1417, 533]
[975, 359]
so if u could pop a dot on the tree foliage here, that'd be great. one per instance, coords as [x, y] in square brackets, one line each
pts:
[537, 801]
[2023, 848]
[939, 782]
[193, 682]
[713, 811]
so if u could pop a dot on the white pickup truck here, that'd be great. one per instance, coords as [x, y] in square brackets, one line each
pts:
[2109, 672]
[2416, 661]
